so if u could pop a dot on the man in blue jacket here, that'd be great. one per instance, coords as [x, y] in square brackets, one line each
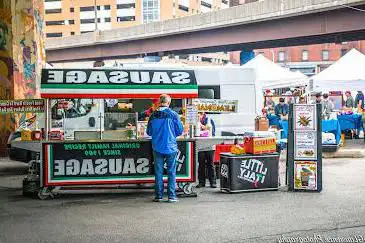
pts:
[164, 126]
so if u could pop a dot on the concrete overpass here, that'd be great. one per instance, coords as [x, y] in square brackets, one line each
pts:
[264, 24]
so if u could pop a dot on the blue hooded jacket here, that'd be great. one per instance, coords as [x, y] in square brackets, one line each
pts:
[164, 126]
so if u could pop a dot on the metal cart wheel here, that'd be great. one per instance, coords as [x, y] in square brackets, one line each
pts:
[188, 188]
[45, 193]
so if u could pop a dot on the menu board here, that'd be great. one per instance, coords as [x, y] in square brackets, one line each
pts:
[191, 114]
[305, 145]
[305, 175]
[304, 117]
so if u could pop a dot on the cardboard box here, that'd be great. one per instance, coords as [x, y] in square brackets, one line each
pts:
[255, 145]
[261, 124]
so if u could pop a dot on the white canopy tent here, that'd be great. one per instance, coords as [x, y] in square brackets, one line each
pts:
[348, 73]
[270, 75]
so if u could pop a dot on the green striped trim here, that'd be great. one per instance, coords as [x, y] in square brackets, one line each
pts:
[117, 86]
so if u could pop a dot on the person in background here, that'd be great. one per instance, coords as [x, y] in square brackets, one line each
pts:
[327, 106]
[302, 100]
[147, 113]
[350, 102]
[359, 100]
[164, 126]
[206, 155]
[269, 101]
[282, 109]
[289, 98]
[318, 99]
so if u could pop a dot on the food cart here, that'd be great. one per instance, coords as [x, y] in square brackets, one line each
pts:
[98, 155]
[88, 145]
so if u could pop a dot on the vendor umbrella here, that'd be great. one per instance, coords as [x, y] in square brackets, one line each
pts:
[270, 75]
[348, 73]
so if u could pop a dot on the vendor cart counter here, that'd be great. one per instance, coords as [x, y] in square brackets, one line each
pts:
[201, 142]
[242, 173]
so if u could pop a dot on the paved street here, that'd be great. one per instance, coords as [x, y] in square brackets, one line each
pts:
[130, 216]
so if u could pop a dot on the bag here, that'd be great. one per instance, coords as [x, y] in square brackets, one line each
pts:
[261, 124]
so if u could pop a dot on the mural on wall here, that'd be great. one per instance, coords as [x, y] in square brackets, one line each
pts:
[7, 122]
[22, 55]
[28, 47]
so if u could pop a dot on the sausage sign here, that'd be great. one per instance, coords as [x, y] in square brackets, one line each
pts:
[78, 163]
[117, 83]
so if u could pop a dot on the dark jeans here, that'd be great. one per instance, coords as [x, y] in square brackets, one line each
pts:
[206, 164]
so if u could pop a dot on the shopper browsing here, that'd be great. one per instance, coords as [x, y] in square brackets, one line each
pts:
[206, 155]
[350, 102]
[164, 126]
[282, 109]
[327, 106]
[359, 100]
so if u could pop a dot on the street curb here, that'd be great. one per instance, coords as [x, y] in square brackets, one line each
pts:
[346, 153]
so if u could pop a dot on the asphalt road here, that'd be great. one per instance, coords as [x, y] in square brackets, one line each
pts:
[339, 211]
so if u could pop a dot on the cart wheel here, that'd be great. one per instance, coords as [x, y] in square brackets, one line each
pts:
[45, 193]
[42, 195]
[188, 188]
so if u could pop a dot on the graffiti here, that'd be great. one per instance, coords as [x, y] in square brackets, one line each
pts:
[22, 56]
[224, 170]
[252, 171]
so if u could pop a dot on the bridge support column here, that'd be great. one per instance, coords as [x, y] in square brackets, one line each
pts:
[22, 56]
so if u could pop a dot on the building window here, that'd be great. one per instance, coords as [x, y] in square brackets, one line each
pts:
[89, 21]
[183, 8]
[127, 5]
[83, 32]
[90, 8]
[343, 52]
[127, 18]
[325, 55]
[52, 0]
[71, 21]
[107, 20]
[98, 7]
[305, 55]
[281, 56]
[107, 7]
[205, 4]
[51, 35]
[53, 11]
[150, 10]
[50, 23]
[72, 33]
[72, 10]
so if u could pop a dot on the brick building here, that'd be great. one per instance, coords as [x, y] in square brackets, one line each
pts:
[72, 17]
[309, 59]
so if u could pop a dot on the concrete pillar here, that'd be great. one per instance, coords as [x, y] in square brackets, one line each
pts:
[22, 56]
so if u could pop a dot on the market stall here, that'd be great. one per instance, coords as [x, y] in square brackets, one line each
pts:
[88, 143]
[348, 74]
[95, 131]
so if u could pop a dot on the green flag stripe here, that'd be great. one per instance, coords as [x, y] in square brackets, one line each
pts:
[116, 86]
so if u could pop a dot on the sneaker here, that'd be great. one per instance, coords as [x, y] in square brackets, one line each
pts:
[213, 185]
[158, 200]
[172, 200]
